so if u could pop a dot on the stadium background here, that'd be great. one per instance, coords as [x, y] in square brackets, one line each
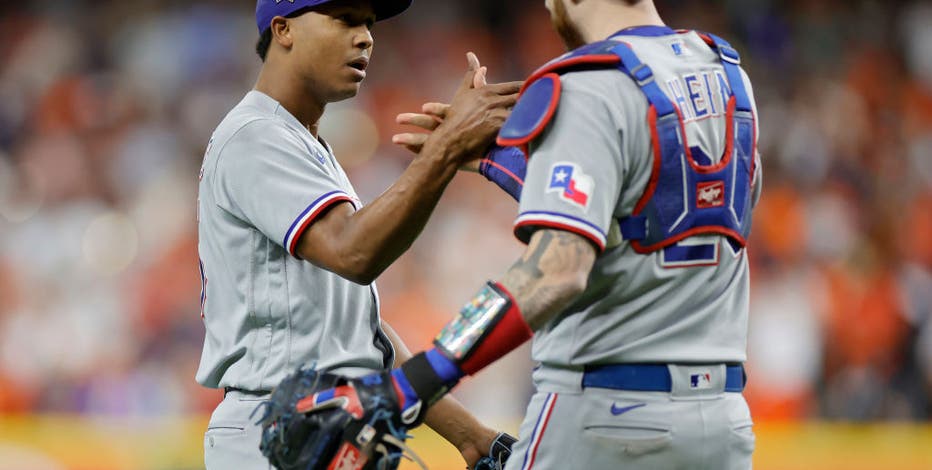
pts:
[106, 107]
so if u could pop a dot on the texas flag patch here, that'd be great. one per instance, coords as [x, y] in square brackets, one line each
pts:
[571, 184]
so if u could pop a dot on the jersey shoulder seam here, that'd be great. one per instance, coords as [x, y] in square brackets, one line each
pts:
[623, 86]
[239, 129]
[582, 81]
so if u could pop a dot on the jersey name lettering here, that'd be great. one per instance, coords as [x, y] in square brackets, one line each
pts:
[700, 95]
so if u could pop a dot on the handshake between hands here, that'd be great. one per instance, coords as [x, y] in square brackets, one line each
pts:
[504, 166]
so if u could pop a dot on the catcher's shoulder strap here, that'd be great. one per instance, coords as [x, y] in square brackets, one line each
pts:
[685, 195]
[694, 198]
[540, 94]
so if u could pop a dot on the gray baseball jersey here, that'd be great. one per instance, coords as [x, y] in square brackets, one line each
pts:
[264, 181]
[637, 308]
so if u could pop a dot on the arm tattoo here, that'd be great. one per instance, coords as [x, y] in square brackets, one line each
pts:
[550, 274]
[529, 264]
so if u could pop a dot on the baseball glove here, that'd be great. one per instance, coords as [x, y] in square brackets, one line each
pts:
[353, 429]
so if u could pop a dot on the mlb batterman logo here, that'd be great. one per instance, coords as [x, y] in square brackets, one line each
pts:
[700, 381]
[571, 184]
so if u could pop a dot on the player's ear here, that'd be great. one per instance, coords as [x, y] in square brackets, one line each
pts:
[282, 32]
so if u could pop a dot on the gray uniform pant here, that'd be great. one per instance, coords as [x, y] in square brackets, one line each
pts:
[567, 426]
[232, 437]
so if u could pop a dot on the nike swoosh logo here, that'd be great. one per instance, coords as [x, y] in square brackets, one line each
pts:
[620, 411]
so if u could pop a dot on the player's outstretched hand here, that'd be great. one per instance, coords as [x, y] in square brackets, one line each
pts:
[504, 166]
[433, 114]
[466, 128]
[430, 117]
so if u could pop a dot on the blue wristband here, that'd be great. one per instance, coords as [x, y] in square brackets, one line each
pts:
[446, 369]
[507, 168]
[424, 379]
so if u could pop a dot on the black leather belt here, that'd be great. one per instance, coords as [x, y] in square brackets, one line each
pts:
[256, 393]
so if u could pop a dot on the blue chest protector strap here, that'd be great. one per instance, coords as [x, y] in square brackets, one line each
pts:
[685, 198]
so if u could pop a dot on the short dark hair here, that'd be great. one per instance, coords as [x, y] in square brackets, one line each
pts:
[262, 46]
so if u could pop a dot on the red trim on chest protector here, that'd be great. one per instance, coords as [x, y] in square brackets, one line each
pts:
[548, 71]
[655, 170]
[655, 175]
[704, 169]
[608, 59]
[703, 230]
[548, 115]
[509, 333]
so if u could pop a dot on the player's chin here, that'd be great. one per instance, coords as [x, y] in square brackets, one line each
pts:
[350, 86]
[346, 92]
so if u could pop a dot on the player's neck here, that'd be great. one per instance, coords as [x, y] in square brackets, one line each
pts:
[606, 18]
[293, 97]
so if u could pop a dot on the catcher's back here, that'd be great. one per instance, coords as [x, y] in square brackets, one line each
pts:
[684, 303]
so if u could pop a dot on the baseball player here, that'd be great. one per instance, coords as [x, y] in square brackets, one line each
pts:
[636, 204]
[287, 252]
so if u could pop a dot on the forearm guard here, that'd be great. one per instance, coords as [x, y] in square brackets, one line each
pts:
[487, 328]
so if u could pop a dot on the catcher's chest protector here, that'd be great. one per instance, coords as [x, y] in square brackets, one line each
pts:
[684, 197]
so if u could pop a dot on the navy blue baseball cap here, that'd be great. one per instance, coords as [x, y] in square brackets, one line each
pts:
[268, 9]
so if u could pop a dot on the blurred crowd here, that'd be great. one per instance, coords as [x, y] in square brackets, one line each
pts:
[106, 108]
